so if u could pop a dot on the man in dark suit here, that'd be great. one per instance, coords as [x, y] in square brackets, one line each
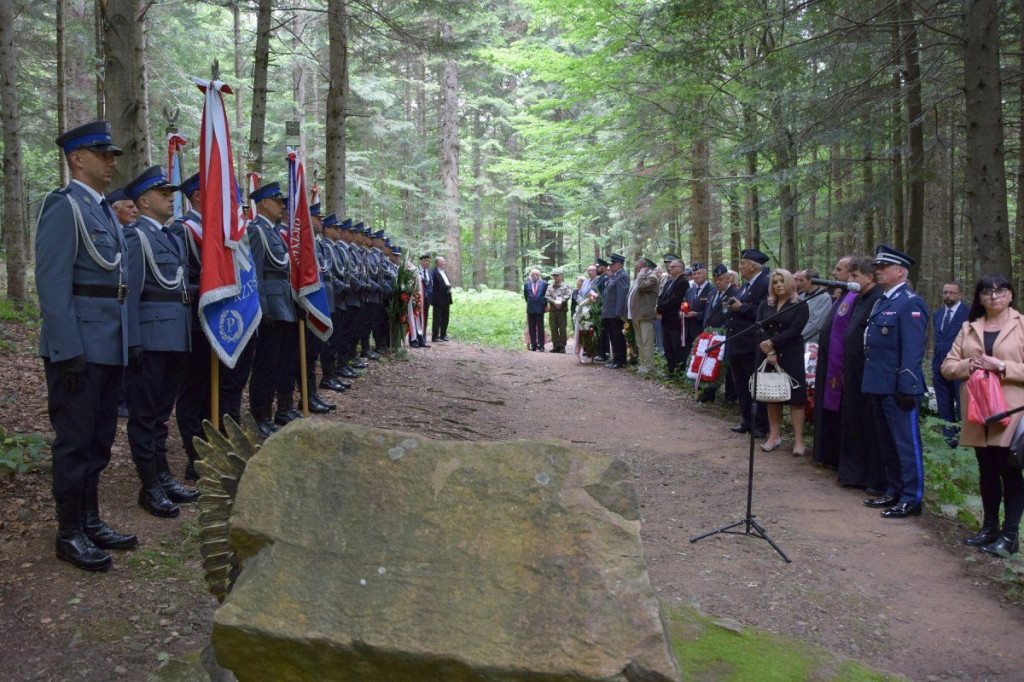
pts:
[533, 291]
[741, 350]
[697, 301]
[159, 286]
[613, 310]
[275, 364]
[87, 335]
[427, 283]
[599, 283]
[894, 344]
[441, 299]
[667, 308]
[946, 323]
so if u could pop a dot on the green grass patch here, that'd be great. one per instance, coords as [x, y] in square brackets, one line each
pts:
[707, 651]
[492, 317]
[22, 312]
[21, 452]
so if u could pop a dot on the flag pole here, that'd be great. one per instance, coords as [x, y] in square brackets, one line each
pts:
[303, 382]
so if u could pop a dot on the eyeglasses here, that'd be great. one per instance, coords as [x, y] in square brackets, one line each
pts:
[992, 293]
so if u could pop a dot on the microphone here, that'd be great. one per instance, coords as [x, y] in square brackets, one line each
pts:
[846, 286]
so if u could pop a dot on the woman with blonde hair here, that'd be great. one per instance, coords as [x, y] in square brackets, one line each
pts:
[782, 343]
[992, 340]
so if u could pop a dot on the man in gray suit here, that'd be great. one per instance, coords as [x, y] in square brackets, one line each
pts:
[613, 310]
[275, 365]
[158, 283]
[86, 337]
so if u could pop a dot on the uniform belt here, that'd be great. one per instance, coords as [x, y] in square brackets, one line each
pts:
[120, 292]
[166, 296]
[274, 274]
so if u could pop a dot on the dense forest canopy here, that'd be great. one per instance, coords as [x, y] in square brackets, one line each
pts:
[508, 135]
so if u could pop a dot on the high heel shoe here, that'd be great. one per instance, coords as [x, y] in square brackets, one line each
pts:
[768, 446]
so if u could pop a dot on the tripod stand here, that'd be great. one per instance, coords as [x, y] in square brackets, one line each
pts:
[750, 526]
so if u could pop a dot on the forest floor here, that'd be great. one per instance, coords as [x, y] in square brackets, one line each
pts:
[901, 596]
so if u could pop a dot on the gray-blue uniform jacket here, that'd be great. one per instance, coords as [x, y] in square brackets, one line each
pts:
[323, 261]
[356, 285]
[269, 251]
[193, 249]
[894, 344]
[76, 321]
[165, 316]
[383, 266]
[369, 269]
[616, 295]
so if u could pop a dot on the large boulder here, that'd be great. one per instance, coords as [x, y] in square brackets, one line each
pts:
[376, 555]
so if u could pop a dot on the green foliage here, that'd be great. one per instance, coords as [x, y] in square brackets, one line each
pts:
[23, 312]
[492, 317]
[21, 452]
[707, 650]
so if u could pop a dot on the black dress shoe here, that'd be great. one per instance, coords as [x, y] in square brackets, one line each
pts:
[190, 472]
[883, 502]
[540, 349]
[317, 406]
[616, 365]
[77, 549]
[283, 417]
[153, 499]
[359, 363]
[533, 348]
[176, 492]
[345, 385]
[1006, 546]
[347, 372]
[105, 537]
[443, 338]
[370, 355]
[741, 428]
[331, 385]
[903, 510]
[295, 413]
[601, 358]
[267, 429]
[325, 403]
[984, 536]
[760, 434]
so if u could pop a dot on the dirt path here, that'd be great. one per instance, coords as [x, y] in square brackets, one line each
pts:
[898, 595]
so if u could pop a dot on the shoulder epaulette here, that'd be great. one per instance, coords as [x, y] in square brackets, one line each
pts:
[63, 191]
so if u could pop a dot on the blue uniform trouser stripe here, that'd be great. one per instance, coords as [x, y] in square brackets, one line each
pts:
[906, 436]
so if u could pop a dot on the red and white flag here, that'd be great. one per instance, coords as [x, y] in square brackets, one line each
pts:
[307, 287]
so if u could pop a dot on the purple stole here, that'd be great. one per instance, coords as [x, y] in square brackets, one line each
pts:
[833, 390]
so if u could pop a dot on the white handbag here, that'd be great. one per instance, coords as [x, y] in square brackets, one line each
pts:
[772, 386]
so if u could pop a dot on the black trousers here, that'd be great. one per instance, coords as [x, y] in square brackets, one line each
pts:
[365, 323]
[616, 338]
[349, 338]
[742, 368]
[85, 425]
[315, 347]
[274, 368]
[332, 349]
[603, 340]
[439, 327]
[381, 339]
[535, 324]
[672, 342]
[152, 389]
[233, 381]
[1000, 483]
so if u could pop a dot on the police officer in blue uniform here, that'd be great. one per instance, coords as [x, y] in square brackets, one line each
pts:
[86, 337]
[275, 363]
[355, 277]
[613, 310]
[315, 346]
[741, 350]
[335, 260]
[894, 344]
[159, 286]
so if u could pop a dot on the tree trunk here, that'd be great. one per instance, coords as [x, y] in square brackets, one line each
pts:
[986, 171]
[787, 203]
[512, 228]
[14, 216]
[700, 210]
[811, 224]
[236, 19]
[337, 103]
[97, 37]
[899, 210]
[450, 160]
[124, 85]
[753, 222]
[261, 63]
[62, 80]
[867, 177]
[479, 258]
[915, 135]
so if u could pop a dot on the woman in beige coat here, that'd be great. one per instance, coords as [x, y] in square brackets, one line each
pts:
[992, 340]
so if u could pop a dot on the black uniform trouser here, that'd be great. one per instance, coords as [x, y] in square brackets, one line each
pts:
[233, 381]
[332, 349]
[535, 325]
[152, 389]
[85, 425]
[193, 404]
[351, 339]
[315, 347]
[741, 366]
[439, 327]
[616, 338]
[672, 342]
[603, 341]
[274, 368]
[382, 327]
[367, 313]
[425, 318]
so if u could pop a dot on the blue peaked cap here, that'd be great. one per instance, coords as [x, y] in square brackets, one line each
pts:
[151, 178]
[315, 209]
[95, 135]
[267, 191]
[331, 220]
[190, 184]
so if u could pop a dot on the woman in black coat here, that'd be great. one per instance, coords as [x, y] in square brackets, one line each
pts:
[782, 342]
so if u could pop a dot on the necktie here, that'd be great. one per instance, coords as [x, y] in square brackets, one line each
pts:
[946, 319]
[534, 288]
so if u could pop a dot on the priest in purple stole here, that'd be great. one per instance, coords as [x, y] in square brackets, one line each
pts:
[828, 378]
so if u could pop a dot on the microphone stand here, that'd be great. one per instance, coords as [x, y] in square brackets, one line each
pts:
[750, 526]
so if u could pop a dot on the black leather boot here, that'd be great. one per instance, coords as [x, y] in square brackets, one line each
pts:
[153, 499]
[102, 535]
[1005, 546]
[176, 492]
[190, 469]
[988, 534]
[73, 545]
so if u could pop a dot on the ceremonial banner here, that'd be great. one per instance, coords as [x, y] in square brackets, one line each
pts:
[706, 365]
[229, 301]
[252, 181]
[307, 287]
[175, 164]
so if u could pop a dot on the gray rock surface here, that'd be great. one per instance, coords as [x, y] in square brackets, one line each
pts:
[372, 555]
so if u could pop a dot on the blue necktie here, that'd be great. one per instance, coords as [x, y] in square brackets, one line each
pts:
[946, 319]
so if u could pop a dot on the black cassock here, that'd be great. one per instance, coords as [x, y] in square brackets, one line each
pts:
[827, 424]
